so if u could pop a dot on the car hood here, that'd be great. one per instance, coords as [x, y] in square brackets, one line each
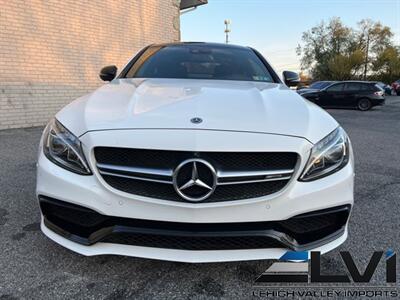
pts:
[222, 105]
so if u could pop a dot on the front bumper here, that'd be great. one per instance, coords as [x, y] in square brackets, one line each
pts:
[298, 198]
[298, 233]
[378, 101]
[187, 256]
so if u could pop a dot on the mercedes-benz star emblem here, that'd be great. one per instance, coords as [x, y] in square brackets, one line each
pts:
[195, 179]
[196, 120]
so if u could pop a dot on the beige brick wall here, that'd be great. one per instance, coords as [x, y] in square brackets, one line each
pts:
[51, 51]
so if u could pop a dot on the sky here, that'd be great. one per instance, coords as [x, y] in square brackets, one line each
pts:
[275, 27]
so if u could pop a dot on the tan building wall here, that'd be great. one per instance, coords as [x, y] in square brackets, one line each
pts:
[51, 51]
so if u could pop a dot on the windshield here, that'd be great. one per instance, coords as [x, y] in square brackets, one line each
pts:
[200, 62]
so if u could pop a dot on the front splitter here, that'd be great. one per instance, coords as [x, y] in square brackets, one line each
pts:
[188, 256]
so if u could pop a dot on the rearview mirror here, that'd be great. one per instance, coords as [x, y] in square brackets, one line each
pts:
[291, 78]
[108, 73]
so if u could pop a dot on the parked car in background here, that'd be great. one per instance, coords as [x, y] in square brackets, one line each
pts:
[386, 87]
[315, 86]
[396, 87]
[362, 95]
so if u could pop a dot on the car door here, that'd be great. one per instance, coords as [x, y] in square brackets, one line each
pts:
[332, 96]
[351, 92]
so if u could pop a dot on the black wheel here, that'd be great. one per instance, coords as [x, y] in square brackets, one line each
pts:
[364, 104]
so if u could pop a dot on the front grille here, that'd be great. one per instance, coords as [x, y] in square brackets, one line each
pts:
[149, 173]
[88, 227]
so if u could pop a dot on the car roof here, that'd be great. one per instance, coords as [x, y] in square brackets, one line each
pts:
[200, 44]
[358, 81]
[325, 81]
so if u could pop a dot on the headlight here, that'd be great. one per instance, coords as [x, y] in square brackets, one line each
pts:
[327, 156]
[64, 149]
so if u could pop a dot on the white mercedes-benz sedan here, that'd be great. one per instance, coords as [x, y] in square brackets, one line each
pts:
[195, 152]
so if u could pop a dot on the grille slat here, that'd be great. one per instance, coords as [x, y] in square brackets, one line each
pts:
[223, 161]
[241, 175]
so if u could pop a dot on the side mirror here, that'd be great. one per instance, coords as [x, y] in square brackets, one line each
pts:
[108, 73]
[291, 78]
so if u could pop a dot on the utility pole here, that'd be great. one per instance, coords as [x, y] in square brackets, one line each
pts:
[366, 57]
[227, 30]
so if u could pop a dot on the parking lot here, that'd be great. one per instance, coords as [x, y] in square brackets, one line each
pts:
[32, 266]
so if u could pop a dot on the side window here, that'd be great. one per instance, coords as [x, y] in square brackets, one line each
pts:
[336, 88]
[353, 87]
[368, 87]
[376, 88]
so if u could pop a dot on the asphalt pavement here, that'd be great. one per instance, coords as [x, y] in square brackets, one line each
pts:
[34, 267]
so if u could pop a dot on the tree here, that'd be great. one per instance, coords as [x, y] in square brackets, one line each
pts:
[372, 38]
[345, 67]
[333, 51]
[322, 45]
[386, 66]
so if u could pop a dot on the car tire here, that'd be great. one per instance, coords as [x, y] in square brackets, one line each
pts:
[364, 104]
